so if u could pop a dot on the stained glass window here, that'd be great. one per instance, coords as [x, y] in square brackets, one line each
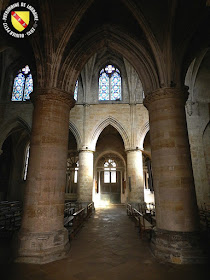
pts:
[18, 87]
[23, 85]
[104, 87]
[76, 90]
[110, 83]
[28, 87]
[115, 86]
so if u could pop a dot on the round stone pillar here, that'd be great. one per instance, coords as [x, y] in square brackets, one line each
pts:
[42, 237]
[135, 176]
[85, 176]
[176, 237]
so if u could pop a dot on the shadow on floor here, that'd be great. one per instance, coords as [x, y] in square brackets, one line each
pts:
[107, 247]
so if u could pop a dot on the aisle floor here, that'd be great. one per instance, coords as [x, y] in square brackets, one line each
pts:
[107, 247]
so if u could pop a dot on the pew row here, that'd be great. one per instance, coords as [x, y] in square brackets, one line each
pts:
[141, 220]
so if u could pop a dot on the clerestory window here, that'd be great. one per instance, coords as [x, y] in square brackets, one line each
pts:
[23, 85]
[110, 84]
[76, 91]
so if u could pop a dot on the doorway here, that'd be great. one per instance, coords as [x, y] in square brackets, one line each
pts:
[110, 185]
[110, 176]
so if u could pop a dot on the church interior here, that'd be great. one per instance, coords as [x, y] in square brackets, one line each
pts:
[105, 141]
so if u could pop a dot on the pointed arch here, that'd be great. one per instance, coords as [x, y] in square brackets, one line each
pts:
[113, 122]
[143, 131]
[10, 126]
[76, 133]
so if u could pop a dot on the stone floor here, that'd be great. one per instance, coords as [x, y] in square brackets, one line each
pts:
[107, 247]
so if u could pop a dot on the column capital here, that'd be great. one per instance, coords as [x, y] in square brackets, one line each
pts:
[54, 94]
[165, 93]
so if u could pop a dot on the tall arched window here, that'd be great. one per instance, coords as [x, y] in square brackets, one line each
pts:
[76, 91]
[110, 83]
[23, 85]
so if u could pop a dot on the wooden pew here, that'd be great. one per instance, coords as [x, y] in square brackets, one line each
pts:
[204, 214]
[90, 209]
[144, 225]
[148, 211]
[129, 210]
[74, 220]
[68, 216]
[77, 222]
[10, 215]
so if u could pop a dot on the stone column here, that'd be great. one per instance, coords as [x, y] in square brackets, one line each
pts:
[176, 237]
[42, 237]
[85, 177]
[135, 176]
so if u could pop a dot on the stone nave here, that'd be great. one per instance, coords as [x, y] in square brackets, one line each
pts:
[107, 102]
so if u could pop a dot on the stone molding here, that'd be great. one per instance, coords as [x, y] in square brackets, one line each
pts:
[84, 149]
[54, 94]
[165, 93]
[133, 150]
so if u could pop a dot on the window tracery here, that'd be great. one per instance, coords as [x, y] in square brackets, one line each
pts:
[110, 84]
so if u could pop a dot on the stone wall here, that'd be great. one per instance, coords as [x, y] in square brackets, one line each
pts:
[198, 116]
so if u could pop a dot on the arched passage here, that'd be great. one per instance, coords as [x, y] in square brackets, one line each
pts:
[114, 123]
[72, 168]
[109, 167]
[12, 163]
[147, 167]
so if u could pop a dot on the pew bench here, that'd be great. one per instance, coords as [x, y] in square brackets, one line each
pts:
[68, 221]
[142, 223]
[129, 210]
[77, 222]
[69, 211]
[148, 211]
[90, 208]
[10, 216]
[204, 215]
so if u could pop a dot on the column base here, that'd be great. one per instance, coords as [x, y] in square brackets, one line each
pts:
[179, 247]
[41, 248]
